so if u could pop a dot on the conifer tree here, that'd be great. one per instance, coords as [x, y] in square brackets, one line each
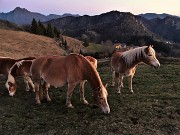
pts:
[56, 32]
[34, 26]
[50, 31]
[42, 28]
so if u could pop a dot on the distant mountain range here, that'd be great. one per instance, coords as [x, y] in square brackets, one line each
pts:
[119, 27]
[22, 16]
[150, 16]
[115, 26]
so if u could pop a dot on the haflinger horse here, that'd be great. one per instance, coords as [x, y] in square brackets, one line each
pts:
[125, 63]
[6, 63]
[19, 69]
[93, 61]
[72, 69]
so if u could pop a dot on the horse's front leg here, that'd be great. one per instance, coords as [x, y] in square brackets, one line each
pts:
[82, 97]
[130, 83]
[69, 95]
[120, 84]
[26, 83]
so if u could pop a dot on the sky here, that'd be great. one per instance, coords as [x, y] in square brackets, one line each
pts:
[93, 7]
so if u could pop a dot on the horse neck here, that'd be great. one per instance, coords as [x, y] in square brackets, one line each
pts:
[132, 60]
[94, 78]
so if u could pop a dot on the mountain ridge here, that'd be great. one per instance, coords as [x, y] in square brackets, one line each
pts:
[23, 16]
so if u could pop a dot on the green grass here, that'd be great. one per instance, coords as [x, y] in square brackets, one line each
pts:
[153, 109]
[94, 47]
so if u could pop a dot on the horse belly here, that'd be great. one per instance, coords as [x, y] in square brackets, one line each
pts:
[56, 81]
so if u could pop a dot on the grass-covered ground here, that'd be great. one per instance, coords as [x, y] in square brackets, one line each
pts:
[154, 108]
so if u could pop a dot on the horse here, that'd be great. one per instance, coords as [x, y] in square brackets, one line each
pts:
[6, 63]
[93, 61]
[125, 63]
[19, 69]
[46, 86]
[72, 69]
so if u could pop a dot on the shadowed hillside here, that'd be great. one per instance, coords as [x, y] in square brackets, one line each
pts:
[18, 44]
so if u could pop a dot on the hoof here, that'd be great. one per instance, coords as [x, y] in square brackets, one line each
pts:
[85, 102]
[70, 106]
[49, 100]
[113, 84]
[118, 92]
[27, 89]
[132, 92]
[38, 102]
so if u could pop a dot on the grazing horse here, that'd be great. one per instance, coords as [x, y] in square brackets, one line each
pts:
[71, 69]
[6, 63]
[20, 68]
[93, 61]
[125, 63]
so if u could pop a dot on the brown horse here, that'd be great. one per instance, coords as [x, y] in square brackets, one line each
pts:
[6, 63]
[125, 63]
[71, 69]
[19, 69]
[93, 61]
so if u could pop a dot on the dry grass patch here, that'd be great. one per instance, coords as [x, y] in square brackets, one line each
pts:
[18, 44]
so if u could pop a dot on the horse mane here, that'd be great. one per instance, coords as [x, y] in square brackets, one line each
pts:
[134, 54]
[88, 64]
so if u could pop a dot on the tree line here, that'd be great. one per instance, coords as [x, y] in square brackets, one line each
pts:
[40, 29]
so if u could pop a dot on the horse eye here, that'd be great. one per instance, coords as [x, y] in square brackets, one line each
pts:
[149, 55]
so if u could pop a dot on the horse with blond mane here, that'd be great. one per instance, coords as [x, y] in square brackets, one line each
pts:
[19, 69]
[71, 70]
[125, 63]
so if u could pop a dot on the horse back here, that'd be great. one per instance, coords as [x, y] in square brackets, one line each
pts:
[21, 68]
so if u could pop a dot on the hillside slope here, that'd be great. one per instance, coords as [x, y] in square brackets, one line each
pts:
[18, 44]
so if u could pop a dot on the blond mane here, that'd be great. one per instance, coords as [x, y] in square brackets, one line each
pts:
[131, 55]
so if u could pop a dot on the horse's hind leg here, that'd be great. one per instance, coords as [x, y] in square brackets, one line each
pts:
[47, 86]
[28, 80]
[113, 78]
[69, 95]
[120, 83]
[37, 85]
[82, 97]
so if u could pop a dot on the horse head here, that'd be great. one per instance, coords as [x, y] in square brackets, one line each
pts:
[11, 85]
[150, 57]
[101, 99]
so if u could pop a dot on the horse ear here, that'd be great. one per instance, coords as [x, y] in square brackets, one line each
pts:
[106, 85]
[151, 46]
[147, 49]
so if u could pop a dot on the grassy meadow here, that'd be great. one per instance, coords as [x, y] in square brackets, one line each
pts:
[154, 108]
